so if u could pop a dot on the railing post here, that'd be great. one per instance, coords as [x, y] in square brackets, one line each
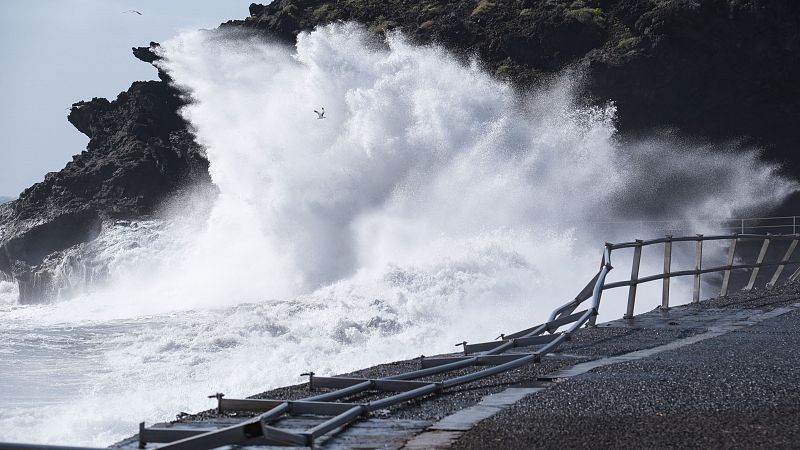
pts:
[637, 256]
[667, 264]
[759, 260]
[786, 257]
[698, 265]
[726, 278]
[607, 251]
[795, 275]
[592, 322]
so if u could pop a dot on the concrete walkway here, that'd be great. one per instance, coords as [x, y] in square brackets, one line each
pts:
[735, 390]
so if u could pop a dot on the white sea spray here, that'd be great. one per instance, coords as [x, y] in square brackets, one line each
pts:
[433, 204]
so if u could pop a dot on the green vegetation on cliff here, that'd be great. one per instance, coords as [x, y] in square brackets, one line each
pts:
[713, 69]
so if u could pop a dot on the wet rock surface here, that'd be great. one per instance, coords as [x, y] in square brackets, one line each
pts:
[139, 153]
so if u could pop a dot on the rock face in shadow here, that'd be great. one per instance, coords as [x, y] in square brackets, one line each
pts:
[706, 69]
[140, 151]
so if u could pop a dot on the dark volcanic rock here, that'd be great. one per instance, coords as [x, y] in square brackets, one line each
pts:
[710, 69]
[139, 152]
[149, 55]
[716, 69]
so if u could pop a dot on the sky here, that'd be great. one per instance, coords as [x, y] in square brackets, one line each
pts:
[58, 52]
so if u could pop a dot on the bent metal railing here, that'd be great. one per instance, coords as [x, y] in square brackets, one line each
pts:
[404, 387]
[408, 386]
[490, 354]
[259, 430]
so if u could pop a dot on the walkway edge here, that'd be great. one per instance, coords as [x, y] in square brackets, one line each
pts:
[441, 434]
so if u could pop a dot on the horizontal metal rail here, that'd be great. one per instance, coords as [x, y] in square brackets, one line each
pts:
[249, 404]
[775, 237]
[516, 342]
[239, 432]
[482, 360]
[377, 384]
[750, 224]
[683, 273]
[169, 434]
[296, 407]
[709, 220]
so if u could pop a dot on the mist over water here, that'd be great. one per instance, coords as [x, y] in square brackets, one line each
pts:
[433, 203]
[415, 149]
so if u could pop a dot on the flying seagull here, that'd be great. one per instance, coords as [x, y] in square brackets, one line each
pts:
[132, 11]
[320, 114]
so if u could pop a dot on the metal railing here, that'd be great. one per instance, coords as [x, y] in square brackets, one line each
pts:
[699, 270]
[492, 355]
[747, 225]
[402, 387]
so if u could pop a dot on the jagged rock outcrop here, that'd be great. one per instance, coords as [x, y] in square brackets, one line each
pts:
[707, 69]
[139, 152]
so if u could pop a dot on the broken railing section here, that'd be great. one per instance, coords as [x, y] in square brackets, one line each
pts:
[488, 358]
[766, 240]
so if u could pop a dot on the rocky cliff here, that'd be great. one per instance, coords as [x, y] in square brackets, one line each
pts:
[709, 69]
[139, 152]
[705, 69]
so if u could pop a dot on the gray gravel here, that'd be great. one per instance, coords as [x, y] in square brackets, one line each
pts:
[612, 341]
[758, 298]
[738, 390]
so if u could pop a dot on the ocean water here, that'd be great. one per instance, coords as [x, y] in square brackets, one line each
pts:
[434, 203]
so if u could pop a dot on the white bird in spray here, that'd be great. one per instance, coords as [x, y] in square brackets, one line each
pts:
[320, 114]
